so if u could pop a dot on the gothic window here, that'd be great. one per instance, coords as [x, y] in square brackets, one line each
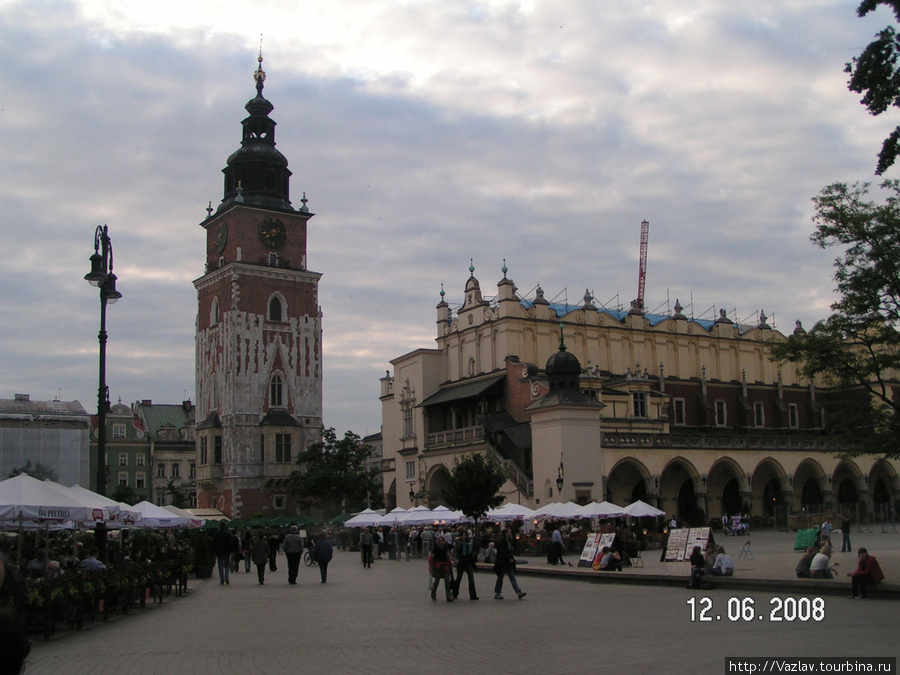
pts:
[217, 449]
[794, 415]
[214, 312]
[276, 391]
[275, 309]
[204, 452]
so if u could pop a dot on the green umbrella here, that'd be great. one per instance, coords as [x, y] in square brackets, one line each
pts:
[236, 524]
[341, 519]
[211, 525]
[258, 521]
[303, 519]
[280, 521]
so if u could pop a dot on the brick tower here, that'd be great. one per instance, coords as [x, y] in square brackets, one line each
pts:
[259, 332]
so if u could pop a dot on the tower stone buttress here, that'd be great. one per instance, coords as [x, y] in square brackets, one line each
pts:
[258, 332]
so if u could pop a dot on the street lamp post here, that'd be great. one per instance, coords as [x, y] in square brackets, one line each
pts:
[101, 276]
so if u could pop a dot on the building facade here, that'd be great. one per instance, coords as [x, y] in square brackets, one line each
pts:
[259, 332]
[173, 457]
[55, 434]
[128, 458]
[689, 415]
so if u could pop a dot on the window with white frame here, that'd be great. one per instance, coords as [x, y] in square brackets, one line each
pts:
[140, 480]
[118, 430]
[793, 415]
[411, 469]
[140, 459]
[123, 459]
[721, 417]
[176, 470]
[160, 470]
[759, 416]
[678, 411]
[123, 478]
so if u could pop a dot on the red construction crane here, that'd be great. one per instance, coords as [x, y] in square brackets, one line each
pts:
[642, 268]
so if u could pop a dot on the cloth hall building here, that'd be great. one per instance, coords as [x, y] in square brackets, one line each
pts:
[689, 415]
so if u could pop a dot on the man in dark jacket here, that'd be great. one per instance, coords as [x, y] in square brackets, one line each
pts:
[505, 565]
[222, 547]
[323, 552]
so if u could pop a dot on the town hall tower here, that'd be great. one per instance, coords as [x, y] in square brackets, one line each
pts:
[259, 332]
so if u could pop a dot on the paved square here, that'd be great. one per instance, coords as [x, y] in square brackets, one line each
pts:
[382, 620]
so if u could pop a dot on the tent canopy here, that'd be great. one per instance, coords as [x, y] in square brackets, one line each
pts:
[31, 500]
[641, 509]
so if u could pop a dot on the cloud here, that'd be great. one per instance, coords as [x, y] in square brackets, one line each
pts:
[425, 134]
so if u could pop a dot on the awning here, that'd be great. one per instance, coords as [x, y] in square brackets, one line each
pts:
[458, 392]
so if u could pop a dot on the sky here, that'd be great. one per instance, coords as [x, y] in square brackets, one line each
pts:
[426, 134]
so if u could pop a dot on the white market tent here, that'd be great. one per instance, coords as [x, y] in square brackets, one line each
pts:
[181, 513]
[394, 517]
[602, 510]
[156, 517]
[421, 515]
[510, 511]
[559, 510]
[29, 500]
[443, 515]
[122, 515]
[363, 519]
[641, 509]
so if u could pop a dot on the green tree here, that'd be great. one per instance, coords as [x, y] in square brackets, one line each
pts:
[474, 485]
[181, 498]
[855, 350]
[333, 474]
[875, 73]
[37, 470]
[124, 493]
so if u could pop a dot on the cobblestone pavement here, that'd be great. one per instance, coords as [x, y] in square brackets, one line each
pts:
[382, 620]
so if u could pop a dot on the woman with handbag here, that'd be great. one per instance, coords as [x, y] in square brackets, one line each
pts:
[441, 563]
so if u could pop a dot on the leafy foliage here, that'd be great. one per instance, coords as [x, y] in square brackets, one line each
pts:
[856, 350]
[333, 474]
[124, 493]
[875, 74]
[181, 496]
[36, 470]
[474, 485]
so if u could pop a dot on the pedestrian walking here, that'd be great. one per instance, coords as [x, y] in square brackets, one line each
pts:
[259, 552]
[293, 551]
[223, 545]
[440, 563]
[324, 551]
[505, 565]
[366, 540]
[465, 564]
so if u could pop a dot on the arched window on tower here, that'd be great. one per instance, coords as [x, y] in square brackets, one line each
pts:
[214, 312]
[276, 392]
[275, 309]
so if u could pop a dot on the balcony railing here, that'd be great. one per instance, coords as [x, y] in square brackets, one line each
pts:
[465, 436]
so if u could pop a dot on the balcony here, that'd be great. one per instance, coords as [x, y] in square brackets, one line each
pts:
[448, 439]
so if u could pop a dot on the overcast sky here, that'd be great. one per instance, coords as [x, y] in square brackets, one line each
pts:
[425, 133]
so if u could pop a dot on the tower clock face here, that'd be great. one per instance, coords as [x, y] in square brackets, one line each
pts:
[221, 237]
[272, 232]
